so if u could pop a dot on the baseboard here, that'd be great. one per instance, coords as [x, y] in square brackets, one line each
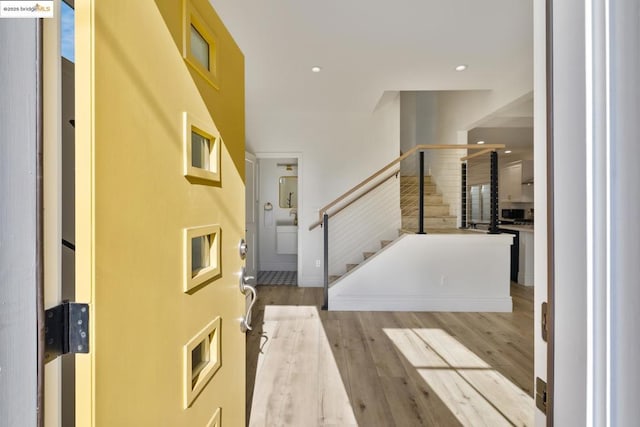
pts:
[310, 281]
[525, 279]
[419, 303]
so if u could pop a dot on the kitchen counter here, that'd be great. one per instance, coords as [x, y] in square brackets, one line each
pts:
[525, 253]
[525, 228]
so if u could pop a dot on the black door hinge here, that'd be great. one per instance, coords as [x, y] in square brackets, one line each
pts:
[66, 330]
[541, 395]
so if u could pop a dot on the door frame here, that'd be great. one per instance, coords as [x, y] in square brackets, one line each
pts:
[21, 224]
[248, 156]
[301, 222]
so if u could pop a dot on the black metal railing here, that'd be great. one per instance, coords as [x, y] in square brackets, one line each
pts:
[463, 198]
[493, 195]
[493, 225]
[421, 195]
[325, 226]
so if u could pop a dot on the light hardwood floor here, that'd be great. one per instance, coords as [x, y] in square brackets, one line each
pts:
[307, 367]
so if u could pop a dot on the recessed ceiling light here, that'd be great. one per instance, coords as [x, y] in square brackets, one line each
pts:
[507, 151]
[316, 69]
[480, 142]
[461, 67]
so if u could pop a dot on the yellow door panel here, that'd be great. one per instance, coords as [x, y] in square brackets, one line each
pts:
[157, 240]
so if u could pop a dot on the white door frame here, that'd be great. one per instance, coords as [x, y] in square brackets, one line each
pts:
[301, 220]
[21, 239]
[596, 51]
[252, 252]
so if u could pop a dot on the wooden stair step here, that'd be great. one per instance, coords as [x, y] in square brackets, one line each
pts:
[351, 266]
[368, 255]
[431, 199]
[413, 191]
[384, 243]
[433, 210]
[448, 221]
[414, 178]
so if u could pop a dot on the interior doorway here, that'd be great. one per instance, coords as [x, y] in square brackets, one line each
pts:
[278, 204]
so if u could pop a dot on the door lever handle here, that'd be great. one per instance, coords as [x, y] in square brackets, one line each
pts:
[245, 323]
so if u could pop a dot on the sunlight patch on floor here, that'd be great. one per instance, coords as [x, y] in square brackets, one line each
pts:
[473, 390]
[297, 379]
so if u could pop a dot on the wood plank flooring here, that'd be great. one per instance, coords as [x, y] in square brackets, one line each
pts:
[307, 367]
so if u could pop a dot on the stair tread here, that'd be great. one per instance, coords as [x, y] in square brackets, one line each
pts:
[426, 203]
[429, 216]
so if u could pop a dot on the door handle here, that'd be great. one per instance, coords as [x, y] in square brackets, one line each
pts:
[245, 323]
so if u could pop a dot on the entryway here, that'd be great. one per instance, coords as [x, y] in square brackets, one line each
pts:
[273, 204]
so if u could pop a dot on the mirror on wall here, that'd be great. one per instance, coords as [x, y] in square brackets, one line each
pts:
[288, 192]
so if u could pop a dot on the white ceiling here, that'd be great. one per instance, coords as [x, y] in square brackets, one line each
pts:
[518, 114]
[366, 47]
[511, 126]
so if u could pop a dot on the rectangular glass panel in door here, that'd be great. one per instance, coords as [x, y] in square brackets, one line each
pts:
[200, 48]
[200, 254]
[200, 151]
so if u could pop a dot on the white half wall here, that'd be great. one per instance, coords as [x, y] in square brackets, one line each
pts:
[432, 272]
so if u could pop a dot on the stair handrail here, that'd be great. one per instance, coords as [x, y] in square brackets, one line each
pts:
[355, 199]
[484, 147]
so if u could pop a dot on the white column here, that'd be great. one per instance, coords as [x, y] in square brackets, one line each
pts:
[18, 253]
[624, 258]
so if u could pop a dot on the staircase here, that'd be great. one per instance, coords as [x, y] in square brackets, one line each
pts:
[366, 256]
[436, 213]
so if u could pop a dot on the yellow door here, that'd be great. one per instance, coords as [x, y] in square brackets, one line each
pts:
[160, 214]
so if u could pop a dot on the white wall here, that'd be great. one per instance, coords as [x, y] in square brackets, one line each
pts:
[339, 150]
[418, 125]
[432, 272]
[408, 131]
[268, 183]
[18, 223]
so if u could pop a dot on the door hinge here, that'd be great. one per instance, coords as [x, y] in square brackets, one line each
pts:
[544, 326]
[66, 330]
[541, 395]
